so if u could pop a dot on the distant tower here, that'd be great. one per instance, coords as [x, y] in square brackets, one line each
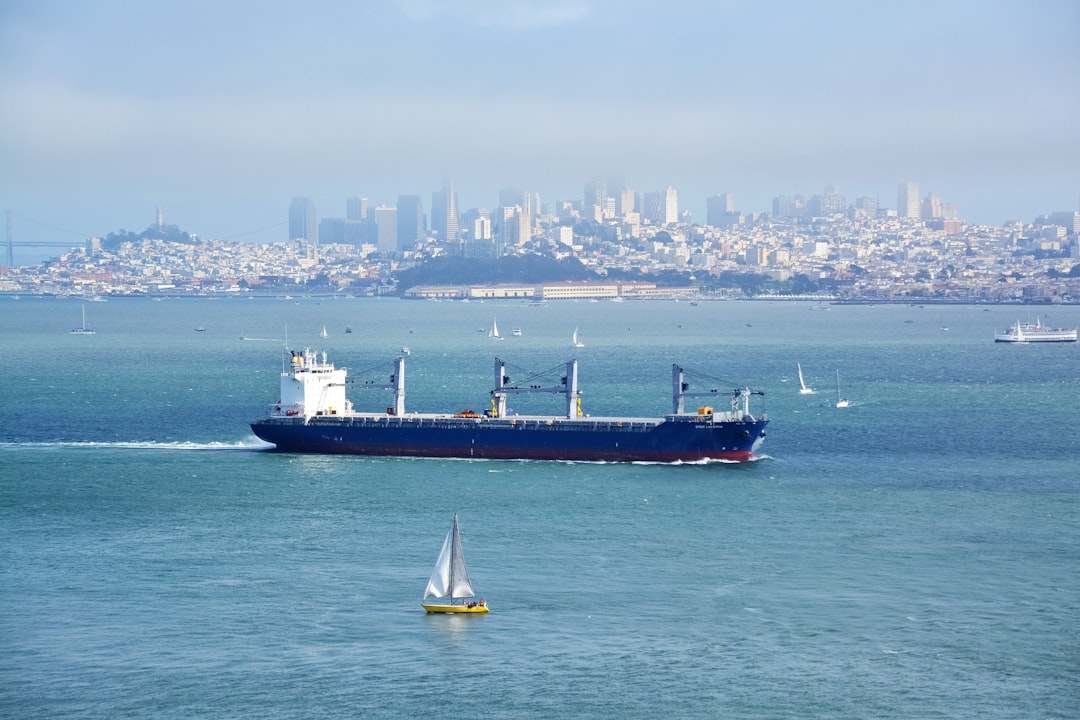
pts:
[907, 200]
[410, 221]
[160, 219]
[444, 216]
[302, 221]
[671, 206]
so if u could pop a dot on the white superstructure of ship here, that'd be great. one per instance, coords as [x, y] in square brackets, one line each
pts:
[1034, 332]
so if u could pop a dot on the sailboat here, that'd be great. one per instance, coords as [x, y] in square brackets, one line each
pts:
[449, 584]
[494, 332]
[577, 339]
[803, 390]
[841, 401]
[323, 333]
[85, 329]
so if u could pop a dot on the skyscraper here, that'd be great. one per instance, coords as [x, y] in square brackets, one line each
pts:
[717, 209]
[662, 208]
[410, 221]
[444, 216]
[356, 208]
[303, 223]
[907, 200]
[386, 231]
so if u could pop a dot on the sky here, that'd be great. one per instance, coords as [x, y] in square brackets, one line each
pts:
[220, 111]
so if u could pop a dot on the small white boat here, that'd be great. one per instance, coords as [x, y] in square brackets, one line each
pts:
[85, 329]
[803, 389]
[494, 332]
[449, 585]
[516, 332]
[576, 340]
[405, 350]
[323, 333]
[841, 401]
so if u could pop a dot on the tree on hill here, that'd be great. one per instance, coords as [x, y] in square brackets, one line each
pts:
[169, 233]
[510, 269]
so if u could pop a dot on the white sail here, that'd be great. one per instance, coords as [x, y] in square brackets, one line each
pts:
[577, 339]
[494, 331]
[803, 389]
[841, 401]
[450, 577]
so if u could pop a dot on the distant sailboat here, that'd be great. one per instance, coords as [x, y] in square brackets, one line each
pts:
[802, 385]
[577, 339]
[323, 333]
[841, 401]
[85, 329]
[450, 585]
[494, 332]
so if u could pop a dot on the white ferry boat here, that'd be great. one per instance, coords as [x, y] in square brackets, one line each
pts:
[1034, 332]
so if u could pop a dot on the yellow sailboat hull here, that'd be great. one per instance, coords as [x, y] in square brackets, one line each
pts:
[455, 608]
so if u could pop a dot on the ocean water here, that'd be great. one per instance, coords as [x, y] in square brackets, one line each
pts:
[916, 555]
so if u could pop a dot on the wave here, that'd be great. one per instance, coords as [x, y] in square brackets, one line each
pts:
[242, 445]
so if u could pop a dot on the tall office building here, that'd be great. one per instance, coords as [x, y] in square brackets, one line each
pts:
[386, 231]
[595, 192]
[907, 200]
[513, 198]
[477, 224]
[410, 221]
[356, 208]
[718, 208]
[444, 215]
[662, 208]
[671, 206]
[303, 224]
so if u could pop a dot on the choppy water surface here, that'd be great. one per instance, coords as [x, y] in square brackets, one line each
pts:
[913, 555]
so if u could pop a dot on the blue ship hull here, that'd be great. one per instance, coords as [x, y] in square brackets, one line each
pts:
[673, 439]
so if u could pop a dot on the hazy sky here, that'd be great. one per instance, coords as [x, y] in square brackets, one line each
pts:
[221, 111]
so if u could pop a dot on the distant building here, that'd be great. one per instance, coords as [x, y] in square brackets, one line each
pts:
[907, 200]
[832, 202]
[477, 224]
[303, 223]
[410, 222]
[1068, 220]
[661, 208]
[386, 233]
[332, 231]
[719, 208]
[789, 206]
[595, 193]
[444, 214]
[356, 208]
[864, 208]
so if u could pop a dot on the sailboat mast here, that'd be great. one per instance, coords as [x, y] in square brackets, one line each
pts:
[453, 555]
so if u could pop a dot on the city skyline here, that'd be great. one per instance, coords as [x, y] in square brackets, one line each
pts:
[111, 110]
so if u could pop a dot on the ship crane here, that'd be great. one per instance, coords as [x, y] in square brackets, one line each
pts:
[567, 387]
[397, 384]
[680, 390]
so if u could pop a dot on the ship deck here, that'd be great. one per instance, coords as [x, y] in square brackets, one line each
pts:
[445, 420]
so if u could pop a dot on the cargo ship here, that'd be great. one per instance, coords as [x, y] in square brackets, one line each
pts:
[1034, 332]
[313, 415]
